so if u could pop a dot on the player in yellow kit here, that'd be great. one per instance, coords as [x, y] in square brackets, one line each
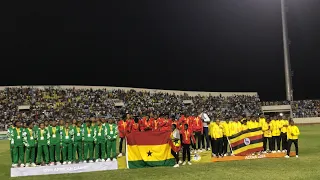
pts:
[254, 123]
[262, 120]
[267, 136]
[227, 132]
[292, 132]
[216, 134]
[275, 131]
[284, 123]
[236, 126]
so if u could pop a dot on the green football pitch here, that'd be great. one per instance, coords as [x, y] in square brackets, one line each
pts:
[304, 167]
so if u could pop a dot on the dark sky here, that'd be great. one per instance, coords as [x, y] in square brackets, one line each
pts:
[200, 45]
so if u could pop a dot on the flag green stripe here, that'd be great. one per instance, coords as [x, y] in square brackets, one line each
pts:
[142, 164]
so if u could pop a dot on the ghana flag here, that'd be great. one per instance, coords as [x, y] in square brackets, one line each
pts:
[247, 142]
[149, 149]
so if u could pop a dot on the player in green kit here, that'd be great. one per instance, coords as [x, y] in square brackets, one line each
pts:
[78, 143]
[43, 137]
[100, 141]
[67, 142]
[24, 127]
[17, 144]
[55, 140]
[112, 133]
[30, 144]
[10, 130]
[35, 130]
[104, 123]
[88, 140]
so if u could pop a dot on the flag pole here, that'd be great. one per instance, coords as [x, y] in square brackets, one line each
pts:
[127, 153]
[230, 145]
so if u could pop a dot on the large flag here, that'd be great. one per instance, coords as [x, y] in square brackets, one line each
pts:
[149, 149]
[247, 142]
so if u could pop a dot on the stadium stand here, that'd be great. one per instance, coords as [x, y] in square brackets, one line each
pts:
[43, 103]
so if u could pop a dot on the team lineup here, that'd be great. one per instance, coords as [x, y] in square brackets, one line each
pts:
[66, 142]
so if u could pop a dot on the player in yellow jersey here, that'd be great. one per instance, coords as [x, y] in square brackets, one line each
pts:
[244, 125]
[254, 123]
[262, 120]
[249, 122]
[275, 131]
[227, 131]
[267, 136]
[284, 126]
[236, 126]
[292, 133]
[216, 134]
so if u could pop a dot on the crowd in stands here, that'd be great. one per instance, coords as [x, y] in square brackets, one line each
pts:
[301, 108]
[55, 103]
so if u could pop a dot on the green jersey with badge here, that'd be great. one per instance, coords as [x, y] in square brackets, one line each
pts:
[55, 135]
[88, 133]
[67, 135]
[100, 133]
[29, 138]
[112, 131]
[43, 136]
[78, 134]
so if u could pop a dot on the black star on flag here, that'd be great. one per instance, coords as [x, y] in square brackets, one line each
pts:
[149, 153]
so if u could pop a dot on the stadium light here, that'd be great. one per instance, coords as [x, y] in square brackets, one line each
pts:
[287, 68]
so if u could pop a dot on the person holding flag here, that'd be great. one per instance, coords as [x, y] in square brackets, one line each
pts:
[145, 124]
[227, 128]
[122, 127]
[165, 124]
[155, 123]
[30, 142]
[175, 143]
[237, 125]
[112, 134]
[134, 126]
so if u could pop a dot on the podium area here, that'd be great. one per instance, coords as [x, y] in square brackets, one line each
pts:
[260, 156]
[64, 169]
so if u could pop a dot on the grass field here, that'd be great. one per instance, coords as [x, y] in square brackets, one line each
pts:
[307, 166]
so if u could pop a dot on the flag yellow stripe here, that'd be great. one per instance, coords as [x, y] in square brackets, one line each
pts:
[245, 148]
[158, 152]
[246, 135]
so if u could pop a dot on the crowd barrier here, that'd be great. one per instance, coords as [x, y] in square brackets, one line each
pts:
[311, 120]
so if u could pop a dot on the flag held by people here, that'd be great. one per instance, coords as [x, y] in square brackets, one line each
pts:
[149, 149]
[247, 142]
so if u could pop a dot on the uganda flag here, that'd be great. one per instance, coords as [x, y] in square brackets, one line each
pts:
[247, 142]
[149, 149]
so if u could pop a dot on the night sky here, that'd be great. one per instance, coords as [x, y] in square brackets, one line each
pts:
[233, 45]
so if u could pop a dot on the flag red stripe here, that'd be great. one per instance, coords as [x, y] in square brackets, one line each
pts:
[250, 151]
[148, 138]
[241, 141]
